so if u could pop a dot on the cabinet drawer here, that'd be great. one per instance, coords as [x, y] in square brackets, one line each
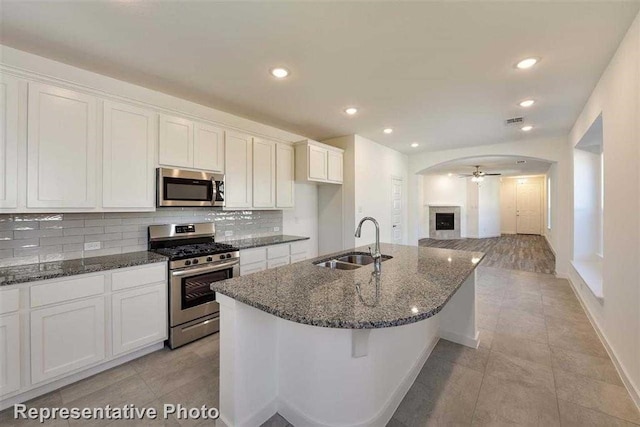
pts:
[299, 247]
[140, 276]
[9, 301]
[252, 268]
[66, 290]
[278, 262]
[277, 251]
[250, 256]
[298, 257]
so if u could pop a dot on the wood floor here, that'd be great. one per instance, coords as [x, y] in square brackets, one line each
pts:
[510, 251]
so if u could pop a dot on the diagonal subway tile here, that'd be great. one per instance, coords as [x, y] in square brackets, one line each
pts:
[610, 399]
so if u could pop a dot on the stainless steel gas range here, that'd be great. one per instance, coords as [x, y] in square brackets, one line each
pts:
[195, 261]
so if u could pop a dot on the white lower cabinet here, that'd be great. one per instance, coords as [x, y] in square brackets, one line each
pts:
[138, 317]
[9, 353]
[67, 337]
[263, 258]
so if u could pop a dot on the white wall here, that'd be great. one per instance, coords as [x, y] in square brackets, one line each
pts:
[489, 216]
[444, 190]
[586, 205]
[473, 211]
[617, 97]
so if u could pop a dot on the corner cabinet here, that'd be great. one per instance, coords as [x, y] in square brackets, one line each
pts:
[317, 162]
[9, 106]
[129, 140]
[61, 121]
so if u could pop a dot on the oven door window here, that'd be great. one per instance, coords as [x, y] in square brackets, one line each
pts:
[197, 290]
[198, 190]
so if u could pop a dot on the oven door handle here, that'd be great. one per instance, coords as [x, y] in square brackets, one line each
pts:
[206, 269]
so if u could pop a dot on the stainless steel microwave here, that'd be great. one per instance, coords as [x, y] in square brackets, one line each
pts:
[178, 187]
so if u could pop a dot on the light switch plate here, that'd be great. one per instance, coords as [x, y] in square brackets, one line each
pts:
[91, 246]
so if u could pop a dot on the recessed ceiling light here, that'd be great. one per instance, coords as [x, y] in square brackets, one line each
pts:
[527, 103]
[279, 72]
[450, 174]
[526, 128]
[527, 63]
[387, 130]
[415, 144]
[351, 111]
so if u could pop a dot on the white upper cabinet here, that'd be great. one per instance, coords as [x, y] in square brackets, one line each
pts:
[285, 160]
[208, 148]
[176, 142]
[128, 156]
[61, 153]
[8, 142]
[334, 166]
[188, 144]
[239, 170]
[318, 162]
[264, 173]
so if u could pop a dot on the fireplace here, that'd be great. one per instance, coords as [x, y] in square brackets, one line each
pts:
[445, 221]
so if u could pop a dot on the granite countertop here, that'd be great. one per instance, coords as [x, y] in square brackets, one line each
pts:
[256, 242]
[52, 270]
[414, 285]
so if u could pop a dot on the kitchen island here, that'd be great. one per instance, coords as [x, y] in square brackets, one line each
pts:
[329, 347]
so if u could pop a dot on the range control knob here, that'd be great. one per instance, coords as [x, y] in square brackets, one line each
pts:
[209, 259]
[195, 261]
[187, 262]
[221, 256]
[228, 255]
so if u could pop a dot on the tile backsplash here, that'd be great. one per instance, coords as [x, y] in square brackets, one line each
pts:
[32, 238]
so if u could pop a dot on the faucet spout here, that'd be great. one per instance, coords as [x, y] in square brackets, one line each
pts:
[377, 256]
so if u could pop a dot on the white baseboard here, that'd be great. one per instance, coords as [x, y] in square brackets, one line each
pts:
[55, 385]
[633, 390]
[261, 416]
[461, 339]
[382, 418]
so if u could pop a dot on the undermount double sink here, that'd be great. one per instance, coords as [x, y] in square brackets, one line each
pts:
[349, 261]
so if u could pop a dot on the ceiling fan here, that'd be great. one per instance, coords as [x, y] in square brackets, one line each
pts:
[478, 175]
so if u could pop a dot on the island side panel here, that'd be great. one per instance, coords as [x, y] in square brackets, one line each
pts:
[321, 383]
[248, 364]
[458, 317]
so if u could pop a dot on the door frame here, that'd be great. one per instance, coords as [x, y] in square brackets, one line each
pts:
[401, 179]
[541, 187]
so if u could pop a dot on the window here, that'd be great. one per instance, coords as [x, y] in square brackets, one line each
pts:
[548, 203]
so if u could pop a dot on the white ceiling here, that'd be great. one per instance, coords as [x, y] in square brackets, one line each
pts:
[506, 165]
[439, 73]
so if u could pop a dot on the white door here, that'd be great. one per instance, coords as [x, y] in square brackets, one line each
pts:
[128, 156]
[208, 148]
[61, 148]
[238, 170]
[264, 173]
[285, 188]
[9, 353]
[334, 166]
[528, 208]
[396, 211]
[66, 337]
[139, 317]
[8, 142]
[317, 162]
[176, 142]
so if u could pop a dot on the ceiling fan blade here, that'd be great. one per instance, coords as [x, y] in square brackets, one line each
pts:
[464, 176]
[492, 174]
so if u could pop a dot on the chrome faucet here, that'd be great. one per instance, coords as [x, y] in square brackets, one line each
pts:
[377, 256]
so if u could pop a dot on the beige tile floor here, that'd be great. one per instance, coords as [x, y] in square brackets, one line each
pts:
[539, 363]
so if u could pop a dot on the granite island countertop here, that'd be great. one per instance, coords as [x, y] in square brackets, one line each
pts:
[51, 270]
[256, 242]
[414, 285]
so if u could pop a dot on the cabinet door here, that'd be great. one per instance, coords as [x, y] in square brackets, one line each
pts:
[128, 157]
[8, 142]
[264, 173]
[139, 317]
[208, 148]
[334, 160]
[9, 354]
[61, 165]
[285, 188]
[66, 337]
[317, 163]
[176, 142]
[239, 174]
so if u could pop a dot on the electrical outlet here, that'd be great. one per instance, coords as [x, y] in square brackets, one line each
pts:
[228, 233]
[91, 246]
[276, 228]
